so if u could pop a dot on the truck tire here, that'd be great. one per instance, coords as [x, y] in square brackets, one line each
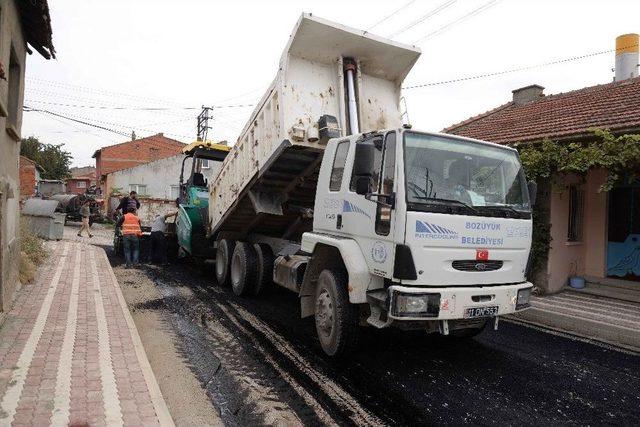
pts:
[264, 273]
[336, 319]
[223, 261]
[243, 269]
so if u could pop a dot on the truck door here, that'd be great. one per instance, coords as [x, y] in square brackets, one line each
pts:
[371, 220]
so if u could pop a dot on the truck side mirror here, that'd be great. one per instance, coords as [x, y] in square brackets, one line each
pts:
[532, 186]
[364, 156]
[363, 186]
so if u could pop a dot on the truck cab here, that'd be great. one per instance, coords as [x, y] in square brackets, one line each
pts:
[433, 231]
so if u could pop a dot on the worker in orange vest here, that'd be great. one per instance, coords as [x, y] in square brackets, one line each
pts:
[131, 232]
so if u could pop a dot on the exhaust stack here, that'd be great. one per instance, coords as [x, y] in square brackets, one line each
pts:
[627, 56]
[352, 105]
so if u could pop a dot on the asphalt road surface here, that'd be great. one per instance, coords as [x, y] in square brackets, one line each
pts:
[261, 364]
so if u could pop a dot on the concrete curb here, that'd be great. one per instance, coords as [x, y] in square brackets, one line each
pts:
[591, 329]
[160, 406]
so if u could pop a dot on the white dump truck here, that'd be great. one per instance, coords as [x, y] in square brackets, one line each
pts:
[370, 222]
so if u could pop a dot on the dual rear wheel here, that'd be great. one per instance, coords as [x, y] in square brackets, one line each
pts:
[247, 267]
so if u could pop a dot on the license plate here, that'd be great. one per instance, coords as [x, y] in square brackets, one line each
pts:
[474, 312]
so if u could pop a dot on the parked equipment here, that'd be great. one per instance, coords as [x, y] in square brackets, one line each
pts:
[70, 204]
[326, 193]
[193, 202]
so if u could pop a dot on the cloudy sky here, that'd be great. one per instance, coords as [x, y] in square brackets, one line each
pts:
[149, 65]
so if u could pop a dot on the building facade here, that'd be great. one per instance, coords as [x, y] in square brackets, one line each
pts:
[21, 23]
[82, 179]
[595, 234]
[157, 183]
[78, 185]
[29, 177]
[132, 153]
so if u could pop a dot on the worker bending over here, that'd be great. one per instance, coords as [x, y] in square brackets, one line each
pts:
[158, 240]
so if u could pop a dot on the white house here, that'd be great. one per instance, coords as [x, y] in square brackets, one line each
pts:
[157, 183]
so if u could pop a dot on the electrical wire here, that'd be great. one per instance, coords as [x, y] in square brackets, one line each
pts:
[514, 70]
[96, 91]
[99, 123]
[29, 109]
[462, 18]
[109, 107]
[424, 17]
[392, 14]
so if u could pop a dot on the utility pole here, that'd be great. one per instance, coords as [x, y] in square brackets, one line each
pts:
[203, 123]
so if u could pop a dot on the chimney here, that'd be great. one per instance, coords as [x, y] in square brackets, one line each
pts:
[626, 56]
[527, 94]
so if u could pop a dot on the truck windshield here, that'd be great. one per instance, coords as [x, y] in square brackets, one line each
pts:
[456, 176]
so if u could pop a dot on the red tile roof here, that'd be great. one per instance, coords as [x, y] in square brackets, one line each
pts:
[614, 106]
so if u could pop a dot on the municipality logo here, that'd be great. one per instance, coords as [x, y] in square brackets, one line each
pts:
[429, 230]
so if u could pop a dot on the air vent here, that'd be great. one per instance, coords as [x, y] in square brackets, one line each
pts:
[478, 266]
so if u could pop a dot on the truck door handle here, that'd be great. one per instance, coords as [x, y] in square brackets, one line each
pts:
[339, 221]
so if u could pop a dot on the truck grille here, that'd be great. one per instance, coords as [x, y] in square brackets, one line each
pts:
[479, 266]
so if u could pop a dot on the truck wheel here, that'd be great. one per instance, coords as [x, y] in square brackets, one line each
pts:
[223, 261]
[243, 269]
[264, 273]
[336, 318]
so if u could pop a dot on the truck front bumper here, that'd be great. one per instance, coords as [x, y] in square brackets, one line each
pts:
[410, 303]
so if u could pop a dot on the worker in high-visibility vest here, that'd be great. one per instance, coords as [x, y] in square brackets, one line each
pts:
[131, 232]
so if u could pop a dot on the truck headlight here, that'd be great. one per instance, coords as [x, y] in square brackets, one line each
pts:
[415, 305]
[524, 295]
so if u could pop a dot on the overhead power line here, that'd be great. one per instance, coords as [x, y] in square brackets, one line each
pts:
[29, 109]
[515, 70]
[98, 91]
[99, 124]
[424, 17]
[464, 17]
[108, 107]
[392, 14]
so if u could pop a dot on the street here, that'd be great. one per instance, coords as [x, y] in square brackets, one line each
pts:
[260, 363]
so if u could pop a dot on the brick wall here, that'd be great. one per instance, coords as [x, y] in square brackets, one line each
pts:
[27, 173]
[134, 153]
[74, 185]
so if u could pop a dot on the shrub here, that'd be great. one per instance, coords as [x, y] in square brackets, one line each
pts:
[32, 252]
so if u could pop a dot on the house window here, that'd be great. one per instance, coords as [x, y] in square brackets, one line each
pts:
[204, 163]
[175, 192]
[576, 213]
[14, 91]
[338, 166]
[138, 188]
[81, 184]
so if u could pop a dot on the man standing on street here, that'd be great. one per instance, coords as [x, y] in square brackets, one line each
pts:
[131, 232]
[158, 241]
[129, 202]
[85, 211]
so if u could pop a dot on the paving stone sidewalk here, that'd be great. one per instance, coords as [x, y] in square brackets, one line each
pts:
[598, 318]
[70, 353]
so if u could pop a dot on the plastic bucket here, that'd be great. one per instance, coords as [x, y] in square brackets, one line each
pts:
[576, 282]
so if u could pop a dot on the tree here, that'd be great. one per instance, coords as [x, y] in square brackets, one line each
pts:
[52, 158]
